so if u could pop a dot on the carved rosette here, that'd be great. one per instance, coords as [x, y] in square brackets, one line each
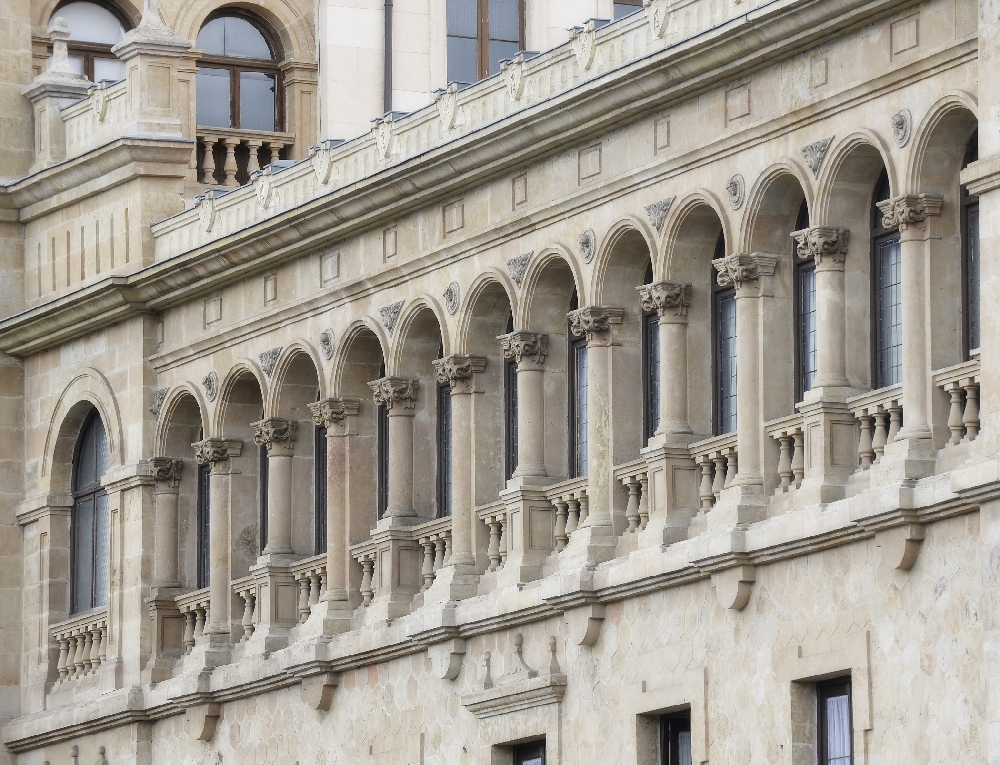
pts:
[328, 412]
[214, 450]
[666, 297]
[167, 470]
[390, 391]
[458, 371]
[595, 321]
[523, 345]
[276, 433]
[825, 245]
[742, 268]
[909, 210]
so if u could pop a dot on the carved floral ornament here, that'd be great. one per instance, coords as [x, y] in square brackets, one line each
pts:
[458, 368]
[274, 431]
[525, 345]
[213, 450]
[159, 394]
[326, 343]
[447, 104]
[518, 266]
[594, 320]
[822, 244]
[268, 359]
[588, 245]
[815, 153]
[331, 411]
[736, 189]
[452, 298]
[211, 384]
[167, 469]
[742, 268]
[389, 391]
[657, 213]
[390, 314]
[661, 297]
[584, 43]
[656, 15]
[909, 210]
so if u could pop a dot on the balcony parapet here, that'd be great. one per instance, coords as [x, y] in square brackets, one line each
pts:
[718, 460]
[961, 383]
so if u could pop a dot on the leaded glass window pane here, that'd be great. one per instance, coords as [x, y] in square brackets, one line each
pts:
[727, 361]
[444, 450]
[580, 406]
[651, 326]
[889, 340]
[807, 327]
[972, 229]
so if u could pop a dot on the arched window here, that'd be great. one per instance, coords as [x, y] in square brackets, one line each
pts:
[481, 33]
[887, 318]
[239, 82]
[94, 29]
[805, 305]
[90, 526]
[650, 367]
[970, 252]
[724, 332]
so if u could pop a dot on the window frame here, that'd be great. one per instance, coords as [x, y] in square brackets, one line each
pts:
[672, 724]
[528, 751]
[91, 50]
[510, 412]
[93, 492]
[444, 449]
[826, 690]
[483, 36]
[235, 65]
[263, 474]
[879, 237]
[382, 460]
[968, 203]
[203, 529]
[650, 378]
[575, 346]
[319, 489]
[799, 267]
[718, 294]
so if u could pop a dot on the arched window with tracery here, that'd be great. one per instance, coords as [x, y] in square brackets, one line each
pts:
[239, 79]
[94, 29]
[90, 523]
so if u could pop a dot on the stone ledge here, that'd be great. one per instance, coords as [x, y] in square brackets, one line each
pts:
[524, 694]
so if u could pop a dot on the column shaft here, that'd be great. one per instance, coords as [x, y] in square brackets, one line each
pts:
[279, 504]
[673, 376]
[218, 560]
[831, 350]
[165, 537]
[748, 421]
[462, 500]
[400, 464]
[530, 419]
[336, 517]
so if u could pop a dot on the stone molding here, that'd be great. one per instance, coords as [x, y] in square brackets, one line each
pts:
[520, 688]
[276, 433]
[212, 451]
[666, 296]
[740, 269]
[458, 371]
[522, 345]
[389, 391]
[825, 245]
[595, 322]
[167, 470]
[328, 412]
[909, 210]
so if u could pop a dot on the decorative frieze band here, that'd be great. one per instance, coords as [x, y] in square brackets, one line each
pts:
[825, 245]
[275, 433]
[167, 469]
[666, 296]
[213, 450]
[909, 210]
[594, 321]
[328, 412]
[389, 391]
[742, 268]
[525, 345]
[458, 370]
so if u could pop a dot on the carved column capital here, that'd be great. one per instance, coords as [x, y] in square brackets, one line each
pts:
[328, 412]
[215, 451]
[392, 391]
[826, 245]
[523, 345]
[458, 371]
[744, 269]
[909, 210]
[666, 298]
[276, 433]
[166, 471]
[596, 322]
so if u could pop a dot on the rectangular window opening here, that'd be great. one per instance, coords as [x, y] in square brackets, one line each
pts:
[532, 753]
[204, 489]
[675, 738]
[807, 319]
[888, 313]
[319, 494]
[578, 407]
[382, 447]
[444, 450]
[481, 33]
[834, 728]
[262, 466]
[510, 416]
[725, 361]
[651, 374]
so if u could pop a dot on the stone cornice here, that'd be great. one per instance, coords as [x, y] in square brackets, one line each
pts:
[701, 63]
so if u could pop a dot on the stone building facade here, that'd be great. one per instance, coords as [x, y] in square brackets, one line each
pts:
[631, 404]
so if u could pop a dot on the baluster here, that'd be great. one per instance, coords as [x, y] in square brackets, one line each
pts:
[798, 457]
[322, 581]
[199, 620]
[705, 493]
[208, 161]
[314, 591]
[88, 650]
[720, 475]
[428, 567]
[493, 551]
[732, 466]
[562, 538]
[447, 547]
[643, 500]
[971, 417]
[103, 655]
[367, 590]
[71, 655]
[438, 553]
[632, 509]
[881, 436]
[955, 414]
[577, 512]
[504, 542]
[247, 622]
[895, 420]
[254, 163]
[275, 149]
[79, 658]
[866, 454]
[303, 598]
[63, 654]
[97, 651]
[229, 168]
[784, 463]
[188, 630]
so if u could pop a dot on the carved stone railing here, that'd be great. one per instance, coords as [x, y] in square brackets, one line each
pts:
[83, 644]
[97, 119]
[194, 608]
[435, 539]
[494, 516]
[227, 157]
[569, 498]
[880, 416]
[961, 383]
[789, 433]
[634, 477]
[247, 589]
[718, 460]
[310, 575]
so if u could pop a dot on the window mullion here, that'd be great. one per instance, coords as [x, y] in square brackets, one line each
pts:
[483, 43]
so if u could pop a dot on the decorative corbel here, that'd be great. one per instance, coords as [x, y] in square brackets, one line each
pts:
[202, 720]
[446, 658]
[317, 690]
[900, 545]
[733, 586]
[585, 623]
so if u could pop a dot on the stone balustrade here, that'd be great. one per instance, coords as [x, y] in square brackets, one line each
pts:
[83, 643]
[634, 476]
[435, 539]
[569, 498]
[717, 459]
[494, 516]
[97, 119]
[880, 416]
[228, 157]
[790, 435]
[195, 610]
[246, 589]
[961, 383]
[310, 575]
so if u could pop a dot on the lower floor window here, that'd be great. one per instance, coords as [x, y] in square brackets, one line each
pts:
[834, 722]
[530, 754]
[675, 739]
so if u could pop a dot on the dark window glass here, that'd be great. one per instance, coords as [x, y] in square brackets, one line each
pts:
[675, 739]
[444, 449]
[213, 97]
[834, 723]
[319, 496]
[888, 312]
[94, 29]
[204, 514]
[970, 246]
[578, 374]
[651, 376]
[725, 302]
[382, 446]
[257, 93]
[623, 8]
[510, 409]
[235, 37]
[262, 466]
[530, 754]
[90, 529]
[807, 326]
[480, 34]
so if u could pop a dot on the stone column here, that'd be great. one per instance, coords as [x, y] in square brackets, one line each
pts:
[826, 246]
[909, 214]
[399, 396]
[750, 275]
[278, 435]
[529, 349]
[459, 372]
[167, 473]
[334, 414]
[670, 300]
[218, 452]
